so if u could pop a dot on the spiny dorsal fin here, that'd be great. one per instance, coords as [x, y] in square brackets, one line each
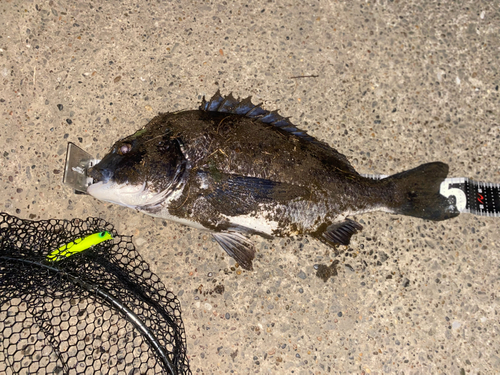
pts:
[245, 107]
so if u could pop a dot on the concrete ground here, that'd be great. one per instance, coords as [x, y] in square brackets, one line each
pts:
[391, 84]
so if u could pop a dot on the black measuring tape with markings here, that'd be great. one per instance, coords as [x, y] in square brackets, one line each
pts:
[469, 196]
[473, 197]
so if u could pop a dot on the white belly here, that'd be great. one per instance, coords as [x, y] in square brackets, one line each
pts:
[257, 222]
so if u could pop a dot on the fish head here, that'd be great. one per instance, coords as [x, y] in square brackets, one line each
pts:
[140, 171]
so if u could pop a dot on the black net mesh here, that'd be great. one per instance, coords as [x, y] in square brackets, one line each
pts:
[98, 311]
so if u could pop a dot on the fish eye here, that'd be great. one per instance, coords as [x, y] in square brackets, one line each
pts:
[124, 149]
[102, 234]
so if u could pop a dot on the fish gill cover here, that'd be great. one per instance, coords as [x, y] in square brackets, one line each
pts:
[100, 310]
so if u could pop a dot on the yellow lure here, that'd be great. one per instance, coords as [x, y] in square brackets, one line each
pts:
[78, 246]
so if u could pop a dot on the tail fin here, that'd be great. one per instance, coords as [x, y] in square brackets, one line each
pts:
[416, 193]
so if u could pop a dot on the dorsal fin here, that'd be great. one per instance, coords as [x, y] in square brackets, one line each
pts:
[245, 107]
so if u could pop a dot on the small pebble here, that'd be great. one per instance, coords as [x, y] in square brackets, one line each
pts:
[228, 316]
[140, 241]
[60, 107]
[68, 120]
[339, 314]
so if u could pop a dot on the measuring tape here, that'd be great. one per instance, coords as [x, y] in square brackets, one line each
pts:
[469, 196]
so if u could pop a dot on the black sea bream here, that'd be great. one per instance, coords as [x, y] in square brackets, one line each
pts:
[235, 169]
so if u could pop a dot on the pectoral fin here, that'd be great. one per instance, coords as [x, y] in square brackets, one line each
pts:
[238, 247]
[235, 195]
[341, 233]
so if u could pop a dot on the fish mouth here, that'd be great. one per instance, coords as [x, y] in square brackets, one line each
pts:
[99, 175]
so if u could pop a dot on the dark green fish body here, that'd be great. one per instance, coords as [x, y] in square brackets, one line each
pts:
[236, 169]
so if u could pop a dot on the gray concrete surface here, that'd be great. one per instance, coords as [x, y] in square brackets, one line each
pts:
[396, 84]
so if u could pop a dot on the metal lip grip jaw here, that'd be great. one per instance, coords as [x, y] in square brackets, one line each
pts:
[75, 170]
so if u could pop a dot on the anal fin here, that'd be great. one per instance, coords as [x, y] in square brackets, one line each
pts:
[238, 247]
[341, 233]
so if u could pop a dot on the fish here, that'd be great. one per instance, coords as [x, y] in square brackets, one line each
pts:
[78, 245]
[235, 169]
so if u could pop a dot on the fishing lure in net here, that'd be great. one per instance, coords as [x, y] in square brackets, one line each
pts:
[78, 245]
[62, 308]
